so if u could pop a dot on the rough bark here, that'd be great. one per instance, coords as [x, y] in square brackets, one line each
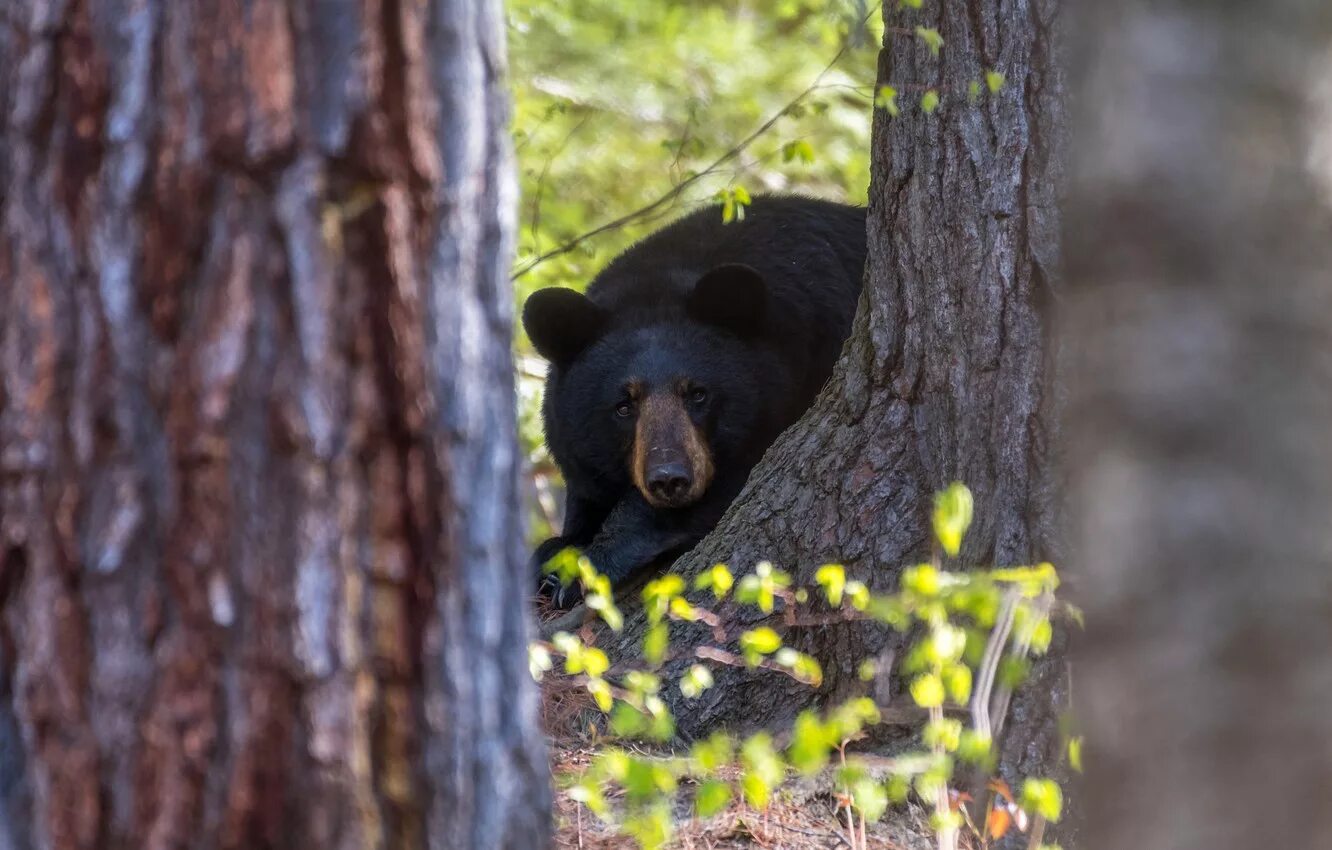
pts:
[259, 583]
[949, 370]
[1201, 463]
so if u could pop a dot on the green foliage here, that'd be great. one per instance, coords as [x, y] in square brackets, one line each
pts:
[973, 632]
[952, 507]
[886, 99]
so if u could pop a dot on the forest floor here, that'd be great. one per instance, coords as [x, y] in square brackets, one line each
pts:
[804, 814]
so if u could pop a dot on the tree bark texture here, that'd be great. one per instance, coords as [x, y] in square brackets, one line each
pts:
[949, 370]
[259, 576]
[1200, 253]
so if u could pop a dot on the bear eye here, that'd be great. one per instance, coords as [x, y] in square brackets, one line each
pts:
[624, 409]
[698, 395]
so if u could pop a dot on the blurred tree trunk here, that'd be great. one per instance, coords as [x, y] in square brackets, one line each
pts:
[259, 533]
[949, 372]
[1200, 242]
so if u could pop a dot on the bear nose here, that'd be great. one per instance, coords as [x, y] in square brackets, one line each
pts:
[669, 481]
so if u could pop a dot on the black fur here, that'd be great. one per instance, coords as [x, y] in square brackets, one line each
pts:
[755, 311]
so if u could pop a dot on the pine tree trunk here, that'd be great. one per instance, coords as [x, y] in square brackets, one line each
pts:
[1200, 250]
[259, 565]
[949, 372]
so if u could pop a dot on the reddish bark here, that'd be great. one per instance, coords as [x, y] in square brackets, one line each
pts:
[258, 506]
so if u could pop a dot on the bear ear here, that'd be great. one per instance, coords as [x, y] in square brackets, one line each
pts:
[561, 323]
[732, 296]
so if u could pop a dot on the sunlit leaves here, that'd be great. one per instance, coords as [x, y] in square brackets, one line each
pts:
[538, 660]
[799, 149]
[957, 682]
[756, 643]
[711, 797]
[717, 579]
[955, 619]
[953, 506]
[994, 81]
[1042, 797]
[931, 38]
[804, 668]
[734, 200]
[929, 101]
[832, 578]
[655, 642]
[760, 587]
[1075, 753]
[763, 770]
[886, 99]
[927, 690]
[695, 681]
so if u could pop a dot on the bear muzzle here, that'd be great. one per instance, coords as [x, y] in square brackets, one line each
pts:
[671, 463]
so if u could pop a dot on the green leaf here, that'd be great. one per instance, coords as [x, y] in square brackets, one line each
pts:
[659, 593]
[538, 660]
[927, 691]
[1075, 753]
[898, 788]
[710, 754]
[763, 769]
[994, 80]
[931, 37]
[741, 195]
[945, 732]
[922, 580]
[973, 91]
[858, 594]
[800, 149]
[974, 748]
[886, 99]
[756, 643]
[601, 693]
[602, 604]
[756, 789]
[641, 683]
[1042, 797]
[711, 797]
[832, 578]
[810, 743]
[953, 506]
[911, 4]
[929, 101]
[718, 578]
[595, 662]
[627, 721]
[651, 828]
[803, 667]
[867, 670]
[655, 643]
[957, 682]
[1041, 634]
[946, 643]
[682, 610]
[869, 798]
[695, 681]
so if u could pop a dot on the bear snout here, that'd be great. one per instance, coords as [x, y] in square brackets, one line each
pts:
[669, 483]
[671, 462]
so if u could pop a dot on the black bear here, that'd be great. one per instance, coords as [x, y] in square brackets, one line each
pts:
[689, 354]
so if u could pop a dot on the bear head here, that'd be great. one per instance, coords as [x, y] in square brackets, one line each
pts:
[659, 400]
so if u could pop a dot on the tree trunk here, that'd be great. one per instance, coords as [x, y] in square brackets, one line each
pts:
[259, 570]
[1200, 222]
[949, 370]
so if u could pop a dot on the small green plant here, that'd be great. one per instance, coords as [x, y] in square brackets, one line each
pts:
[973, 633]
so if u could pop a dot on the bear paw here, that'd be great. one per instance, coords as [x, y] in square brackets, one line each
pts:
[561, 596]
